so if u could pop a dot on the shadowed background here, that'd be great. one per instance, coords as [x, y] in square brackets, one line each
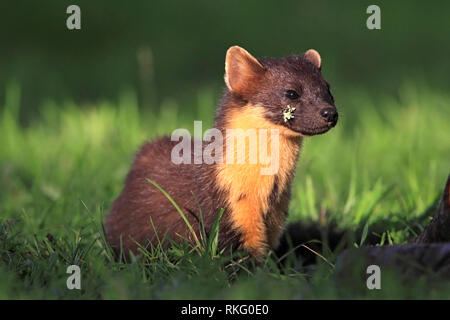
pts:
[163, 49]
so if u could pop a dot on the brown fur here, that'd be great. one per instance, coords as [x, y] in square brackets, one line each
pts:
[255, 206]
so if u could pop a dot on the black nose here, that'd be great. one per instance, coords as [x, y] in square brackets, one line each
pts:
[329, 114]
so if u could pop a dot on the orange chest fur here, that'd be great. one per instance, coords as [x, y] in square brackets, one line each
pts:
[254, 192]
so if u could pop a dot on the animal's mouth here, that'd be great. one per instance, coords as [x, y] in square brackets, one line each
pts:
[316, 130]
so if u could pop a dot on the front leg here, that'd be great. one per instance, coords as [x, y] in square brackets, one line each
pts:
[247, 217]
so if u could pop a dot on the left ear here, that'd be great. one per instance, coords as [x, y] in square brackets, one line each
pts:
[242, 71]
[314, 57]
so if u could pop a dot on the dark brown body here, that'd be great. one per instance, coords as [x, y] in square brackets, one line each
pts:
[191, 186]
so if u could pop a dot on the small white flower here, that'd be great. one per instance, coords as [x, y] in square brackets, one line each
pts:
[288, 113]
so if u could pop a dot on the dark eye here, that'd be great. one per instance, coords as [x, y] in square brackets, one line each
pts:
[291, 94]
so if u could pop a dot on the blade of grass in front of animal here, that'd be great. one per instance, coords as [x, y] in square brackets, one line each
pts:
[183, 216]
[203, 234]
[213, 241]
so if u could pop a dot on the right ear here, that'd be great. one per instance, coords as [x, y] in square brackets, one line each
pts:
[242, 71]
[314, 57]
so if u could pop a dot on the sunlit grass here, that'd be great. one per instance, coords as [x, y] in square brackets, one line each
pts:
[388, 158]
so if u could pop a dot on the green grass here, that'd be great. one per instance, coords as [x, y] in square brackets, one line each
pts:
[386, 162]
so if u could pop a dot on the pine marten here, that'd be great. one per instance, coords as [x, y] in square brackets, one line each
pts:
[286, 95]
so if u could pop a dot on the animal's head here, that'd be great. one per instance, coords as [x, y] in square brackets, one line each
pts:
[291, 89]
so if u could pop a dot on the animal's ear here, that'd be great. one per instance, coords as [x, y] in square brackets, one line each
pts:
[242, 71]
[314, 57]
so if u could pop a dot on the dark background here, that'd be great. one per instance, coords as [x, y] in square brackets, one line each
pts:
[162, 49]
